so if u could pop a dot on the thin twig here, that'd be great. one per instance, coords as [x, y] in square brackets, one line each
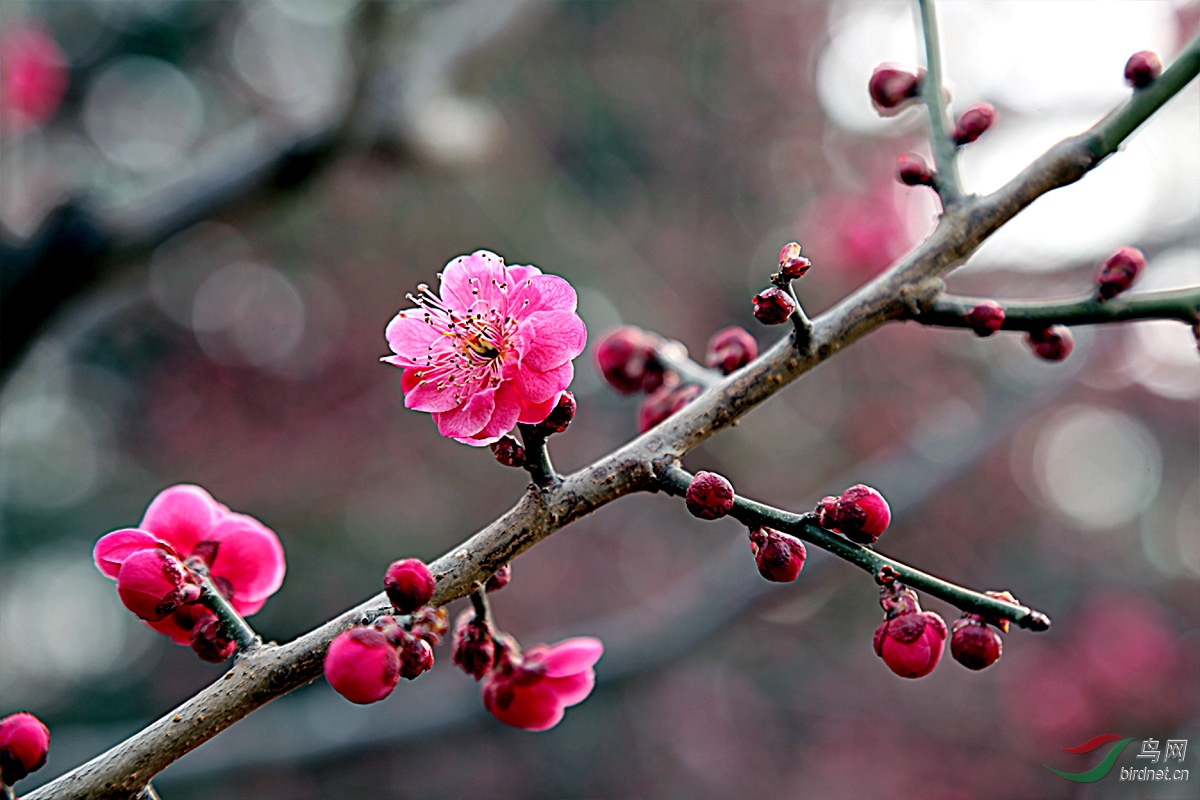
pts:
[950, 311]
[537, 455]
[231, 621]
[948, 183]
[673, 357]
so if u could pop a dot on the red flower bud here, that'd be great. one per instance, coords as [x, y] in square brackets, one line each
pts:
[416, 656]
[972, 124]
[474, 647]
[892, 88]
[731, 349]
[773, 306]
[1119, 272]
[663, 402]
[911, 643]
[508, 452]
[1142, 68]
[709, 496]
[561, 416]
[779, 557]
[860, 514]
[499, 579]
[913, 171]
[24, 744]
[625, 357]
[210, 642]
[409, 584]
[430, 624]
[792, 265]
[152, 583]
[362, 665]
[1053, 343]
[974, 643]
[986, 318]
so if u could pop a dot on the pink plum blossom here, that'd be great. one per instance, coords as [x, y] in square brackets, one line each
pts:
[33, 77]
[243, 556]
[532, 690]
[491, 349]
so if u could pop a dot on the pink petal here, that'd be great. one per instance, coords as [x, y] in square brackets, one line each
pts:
[409, 335]
[470, 418]
[533, 707]
[573, 689]
[558, 337]
[538, 387]
[571, 655]
[428, 397]
[533, 413]
[250, 557]
[169, 627]
[115, 547]
[468, 280]
[181, 516]
[504, 417]
[554, 294]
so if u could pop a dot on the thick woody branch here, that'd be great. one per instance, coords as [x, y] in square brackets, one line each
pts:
[804, 526]
[949, 311]
[271, 670]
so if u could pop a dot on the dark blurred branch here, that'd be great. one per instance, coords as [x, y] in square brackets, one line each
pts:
[949, 185]
[673, 356]
[675, 480]
[1029, 315]
[272, 670]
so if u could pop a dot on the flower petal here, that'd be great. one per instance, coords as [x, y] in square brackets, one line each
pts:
[538, 387]
[428, 397]
[571, 656]
[558, 337]
[181, 516]
[409, 335]
[250, 557]
[573, 689]
[113, 548]
[532, 707]
[554, 293]
[468, 419]
[504, 417]
[533, 413]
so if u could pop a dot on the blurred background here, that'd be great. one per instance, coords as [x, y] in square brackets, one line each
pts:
[210, 210]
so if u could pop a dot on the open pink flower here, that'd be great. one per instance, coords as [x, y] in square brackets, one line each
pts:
[532, 690]
[243, 556]
[491, 349]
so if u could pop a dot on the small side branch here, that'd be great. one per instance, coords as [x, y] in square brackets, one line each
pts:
[237, 628]
[537, 455]
[804, 526]
[673, 357]
[950, 311]
[948, 183]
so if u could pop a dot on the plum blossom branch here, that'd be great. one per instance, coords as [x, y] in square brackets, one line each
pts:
[950, 311]
[948, 184]
[675, 480]
[234, 625]
[271, 670]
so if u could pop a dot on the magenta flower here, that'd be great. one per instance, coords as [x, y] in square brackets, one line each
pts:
[243, 556]
[33, 77]
[532, 690]
[491, 349]
[24, 744]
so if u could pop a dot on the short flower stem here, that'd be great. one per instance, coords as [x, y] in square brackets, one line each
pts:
[804, 526]
[948, 183]
[688, 370]
[483, 608]
[235, 627]
[800, 321]
[1025, 315]
[537, 456]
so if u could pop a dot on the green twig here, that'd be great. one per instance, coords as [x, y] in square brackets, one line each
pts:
[948, 184]
[537, 455]
[1026, 315]
[804, 526]
[235, 627]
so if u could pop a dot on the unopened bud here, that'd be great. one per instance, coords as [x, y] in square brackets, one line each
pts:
[561, 416]
[625, 357]
[1053, 343]
[860, 514]
[1142, 68]
[709, 496]
[409, 584]
[986, 318]
[773, 306]
[730, 349]
[779, 557]
[362, 665]
[508, 452]
[210, 642]
[499, 579]
[891, 89]
[792, 265]
[911, 643]
[416, 656]
[474, 645]
[974, 643]
[1119, 272]
[24, 745]
[663, 402]
[913, 171]
[973, 123]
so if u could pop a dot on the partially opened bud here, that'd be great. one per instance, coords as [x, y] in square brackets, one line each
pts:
[913, 171]
[416, 656]
[362, 665]
[779, 557]
[1119, 272]
[409, 584]
[561, 416]
[773, 306]
[24, 745]
[986, 318]
[210, 642]
[430, 623]
[892, 88]
[730, 349]
[474, 646]
[792, 265]
[153, 583]
[1053, 343]
[1142, 68]
[709, 496]
[974, 643]
[508, 452]
[973, 123]
[911, 644]
[860, 514]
